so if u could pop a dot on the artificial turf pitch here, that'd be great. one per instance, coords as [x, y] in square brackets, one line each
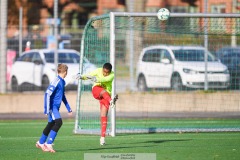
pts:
[18, 138]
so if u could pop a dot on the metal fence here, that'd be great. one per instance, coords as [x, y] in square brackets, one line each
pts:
[41, 36]
[36, 37]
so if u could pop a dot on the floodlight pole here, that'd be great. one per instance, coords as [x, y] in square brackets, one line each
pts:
[206, 45]
[131, 47]
[233, 37]
[20, 30]
[3, 46]
[112, 61]
[56, 34]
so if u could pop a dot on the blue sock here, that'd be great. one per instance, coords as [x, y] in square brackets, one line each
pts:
[43, 139]
[52, 136]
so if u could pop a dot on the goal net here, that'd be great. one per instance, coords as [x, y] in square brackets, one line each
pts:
[171, 76]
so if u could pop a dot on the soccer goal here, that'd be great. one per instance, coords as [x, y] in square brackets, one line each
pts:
[169, 74]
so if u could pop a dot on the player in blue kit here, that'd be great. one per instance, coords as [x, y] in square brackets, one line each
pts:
[53, 98]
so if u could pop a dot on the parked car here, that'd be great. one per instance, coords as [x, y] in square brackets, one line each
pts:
[232, 61]
[227, 50]
[36, 68]
[179, 67]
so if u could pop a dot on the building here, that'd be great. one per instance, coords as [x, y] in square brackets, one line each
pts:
[176, 6]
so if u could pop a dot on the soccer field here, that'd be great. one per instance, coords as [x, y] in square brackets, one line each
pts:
[18, 138]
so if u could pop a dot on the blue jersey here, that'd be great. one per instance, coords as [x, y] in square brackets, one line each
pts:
[54, 96]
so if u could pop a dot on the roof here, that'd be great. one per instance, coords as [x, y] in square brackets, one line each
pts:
[174, 47]
[51, 50]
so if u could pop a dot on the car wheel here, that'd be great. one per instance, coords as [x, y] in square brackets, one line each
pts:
[176, 83]
[14, 84]
[45, 83]
[142, 86]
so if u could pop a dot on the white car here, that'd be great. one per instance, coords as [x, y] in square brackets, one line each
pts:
[179, 67]
[36, 68]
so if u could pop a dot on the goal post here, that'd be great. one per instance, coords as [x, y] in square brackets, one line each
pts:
[109, 38]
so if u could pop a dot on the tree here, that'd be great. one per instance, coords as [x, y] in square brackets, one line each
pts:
[32, 8]
[71, 8]
[190, 2]
[13, 12]
[137, 6]
[31, 11]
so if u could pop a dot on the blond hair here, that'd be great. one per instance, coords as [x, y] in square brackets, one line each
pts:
[62, 68]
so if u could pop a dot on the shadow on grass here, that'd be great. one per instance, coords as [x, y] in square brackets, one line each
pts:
[160, 141]
[107, 147]
[125, 145]
[171, 140]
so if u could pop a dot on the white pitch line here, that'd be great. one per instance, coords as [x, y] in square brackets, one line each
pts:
[59, 138]
[30, 123]
[87, 138]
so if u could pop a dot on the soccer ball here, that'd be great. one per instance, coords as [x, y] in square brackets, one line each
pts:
[163, 14]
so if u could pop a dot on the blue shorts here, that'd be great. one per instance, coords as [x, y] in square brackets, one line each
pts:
[53, 114]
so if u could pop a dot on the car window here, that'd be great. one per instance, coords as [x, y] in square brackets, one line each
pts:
[222, 52]
[152, 56]
[234, 51]
[156, 55]
[36, 57]
[226, 60]
[63, 57]
[49, 57]
[191, 55]
[75, 58]
[226, 51]
[235, 61]
[166, 54]
[26, 57]
[232, 59]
